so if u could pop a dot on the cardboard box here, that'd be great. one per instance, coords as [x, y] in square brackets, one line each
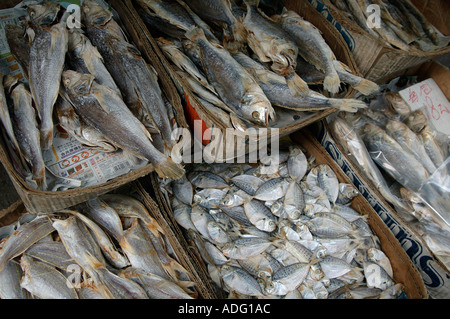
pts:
[194, 110]
[135, 189]
[375, 60]
[47, 201]
[436, 275]
[404, 270]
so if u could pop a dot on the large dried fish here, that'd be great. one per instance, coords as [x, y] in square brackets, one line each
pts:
[45, 281]
[85, 58]
[235, 86]
[47, 55]
[387, 153]
[312, 47]
[272, 44]
[24, 238]
[277, 91]
[103, 109]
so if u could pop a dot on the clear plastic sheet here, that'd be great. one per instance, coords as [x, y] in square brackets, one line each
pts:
[436, 192]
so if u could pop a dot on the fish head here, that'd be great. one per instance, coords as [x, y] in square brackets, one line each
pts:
[44, 14]
[284, 57]
[77, 42]
[77, 83]
[417, 121]
[257, 108]
[373, 133]
[94, 14]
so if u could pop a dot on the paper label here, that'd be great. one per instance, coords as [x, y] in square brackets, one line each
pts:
[428, 97]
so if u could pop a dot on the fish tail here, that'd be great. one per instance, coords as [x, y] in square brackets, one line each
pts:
[46, 138]
[297, 85]
[348, 105]
[39, 177]
[367, 87]
[168, 168]
[332, 82]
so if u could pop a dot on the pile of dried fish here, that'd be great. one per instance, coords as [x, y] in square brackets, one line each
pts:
[238, 60]
[401, 24]
[284, 233]
[108, 247]
[92, 80]
[391, 138]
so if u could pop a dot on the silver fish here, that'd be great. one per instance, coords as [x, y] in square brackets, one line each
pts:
[328, 181]
[19, 45]
[379, 257]
[111, 253]
[376, 276]
[104, 215]
[238, 280]
[289, 278]
[156, 287]
[354, 145]
[260, 216]
[410, 142]
[117, 287]
[294, 201]
[44, 281]
[247, 183]
[297, 164]
[347, 193]
[88, 136]
[79, 244]
[207, 180]
[209, 198]
[245, 247]
[220, 12]
[432, 146]
[85, 58]
[103, 109]
[25, 236]
[387, 153]
[138, 71]
[272, 189]
[51, 252]
[273, 44]
[27, 133]
[5, 118]
[47, 55]
[278, 92]
[334, 267]
[10, 277]
[44, 14]
[176, 56]
[235, 86]
[312, 47]
[140, 251]
[182, 215]
[183, 190]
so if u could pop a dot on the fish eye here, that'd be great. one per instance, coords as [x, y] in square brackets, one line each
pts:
[255, 115]
[99, 20]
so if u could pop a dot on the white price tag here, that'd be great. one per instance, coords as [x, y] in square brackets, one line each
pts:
[428, 97]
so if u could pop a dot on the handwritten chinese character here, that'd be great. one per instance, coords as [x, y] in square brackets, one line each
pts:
[425, 89]
[413, 97]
